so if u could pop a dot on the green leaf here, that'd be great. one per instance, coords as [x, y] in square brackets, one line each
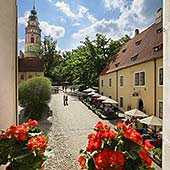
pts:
[91, 164]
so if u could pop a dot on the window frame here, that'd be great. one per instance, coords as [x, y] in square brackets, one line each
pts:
[121, 85]
[160, 85]
[22, 77]
[110, 82]
[32, 38]
[121, 97]
[139, 81]
[160, 101]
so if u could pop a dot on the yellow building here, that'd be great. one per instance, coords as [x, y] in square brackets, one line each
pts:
[135, 77]
[29, 65]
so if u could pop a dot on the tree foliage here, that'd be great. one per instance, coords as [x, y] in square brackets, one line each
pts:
[83, 64]
[52, 58]
[34, 95]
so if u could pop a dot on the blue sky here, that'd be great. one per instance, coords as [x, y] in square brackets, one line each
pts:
[69, 21]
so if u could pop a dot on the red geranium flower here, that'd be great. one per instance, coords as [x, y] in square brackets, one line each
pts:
[108, 149]
[82, 161]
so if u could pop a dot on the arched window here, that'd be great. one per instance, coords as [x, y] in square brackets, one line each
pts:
[32, 39]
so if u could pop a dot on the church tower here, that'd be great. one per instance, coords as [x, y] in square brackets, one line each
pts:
[30, 65]
[32, 34]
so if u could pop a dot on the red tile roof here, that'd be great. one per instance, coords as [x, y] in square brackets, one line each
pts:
[30, 64]
[143, 47]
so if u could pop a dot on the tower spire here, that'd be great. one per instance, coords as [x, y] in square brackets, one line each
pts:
[34, 6]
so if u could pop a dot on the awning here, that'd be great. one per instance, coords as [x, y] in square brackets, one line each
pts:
[152, 120]
[136, 113]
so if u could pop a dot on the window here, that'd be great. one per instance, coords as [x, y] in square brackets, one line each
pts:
[121, 81]
[134, 57]
[117, 64]
[136, 79]
[110, 82]
[159, 30]
[30, 76]
[138, 42]
[121, 101]
[101, 83]
[157, 48]
[160, 76]
[140, 78]
[22, 77]
[160, 109]
[32, 39]
[124, 50]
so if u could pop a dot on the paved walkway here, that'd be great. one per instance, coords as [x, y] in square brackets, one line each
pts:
[67, 130]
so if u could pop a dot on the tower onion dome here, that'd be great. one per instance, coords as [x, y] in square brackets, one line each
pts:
[33, 15]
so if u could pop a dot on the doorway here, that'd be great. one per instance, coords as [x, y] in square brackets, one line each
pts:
[140, 105]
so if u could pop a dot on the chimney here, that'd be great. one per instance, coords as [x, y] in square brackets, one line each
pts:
[136, 32]
[159, 14]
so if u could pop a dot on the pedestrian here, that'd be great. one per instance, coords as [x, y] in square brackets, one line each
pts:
[66, 100]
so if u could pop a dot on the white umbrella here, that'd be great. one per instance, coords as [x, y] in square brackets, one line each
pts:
[91, 93]
[89, 90]
[102, 98]
[110, 101]
[152, 120]
[136, 113]
[96, 95]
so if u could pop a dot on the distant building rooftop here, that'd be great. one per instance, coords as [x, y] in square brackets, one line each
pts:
[30, 64]
[143, 47]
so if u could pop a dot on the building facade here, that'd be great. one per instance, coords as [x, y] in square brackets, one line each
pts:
[30, 65]
[8, 64]
[135, 77]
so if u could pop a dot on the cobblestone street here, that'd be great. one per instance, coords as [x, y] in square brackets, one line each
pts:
[67, 130]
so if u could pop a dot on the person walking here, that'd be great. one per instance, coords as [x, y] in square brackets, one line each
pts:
[66, 100]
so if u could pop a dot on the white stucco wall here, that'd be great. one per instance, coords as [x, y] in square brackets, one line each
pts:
[166, 89]
[7, 63]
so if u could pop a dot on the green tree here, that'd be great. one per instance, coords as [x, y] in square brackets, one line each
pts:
[34, 95]
[84, 64]
[52, 58]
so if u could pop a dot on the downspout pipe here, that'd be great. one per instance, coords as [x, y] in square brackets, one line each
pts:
[154, 85]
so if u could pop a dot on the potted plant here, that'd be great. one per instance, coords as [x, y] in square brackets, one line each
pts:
[120, 149]
[23, 147]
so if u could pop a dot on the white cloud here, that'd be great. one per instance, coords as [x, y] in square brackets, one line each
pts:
[135, 14]
[104, 27]
[50, 1]
[65, 8]
[23, 20]
[55, 31]
[112, 4]
[76, 24]
[82, 11]
[21, 40]
[91, 18]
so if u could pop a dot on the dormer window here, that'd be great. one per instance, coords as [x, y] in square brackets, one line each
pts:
[157, 48]
[134, 57]
[117, 64]
[138, 42]
[124, 50]
[159, 30]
